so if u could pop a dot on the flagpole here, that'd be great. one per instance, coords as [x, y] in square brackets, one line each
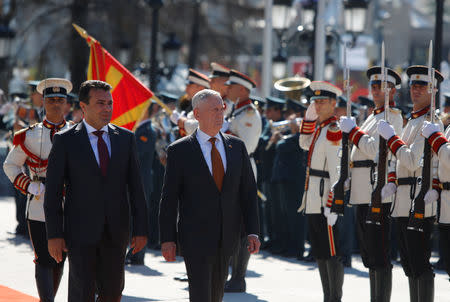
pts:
[90, 41]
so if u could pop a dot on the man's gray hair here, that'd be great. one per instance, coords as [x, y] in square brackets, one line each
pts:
[203, 95]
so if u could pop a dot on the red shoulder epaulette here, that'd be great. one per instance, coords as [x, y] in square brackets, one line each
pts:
[19, 136]
[334, 134]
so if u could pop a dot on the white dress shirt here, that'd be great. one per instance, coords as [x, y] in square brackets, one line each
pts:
[93, 139]
[205, 145]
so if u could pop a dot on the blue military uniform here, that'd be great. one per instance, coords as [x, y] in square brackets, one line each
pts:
[288, 175]
[145, 145]
[266, 154]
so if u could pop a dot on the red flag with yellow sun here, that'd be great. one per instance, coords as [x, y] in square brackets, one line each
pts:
[130, 96]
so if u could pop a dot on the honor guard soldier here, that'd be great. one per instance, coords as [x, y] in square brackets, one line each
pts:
[32, 147]
[265, 154]
[219, 76]
[415, 246]
[324, 145]
[373, 239]
[441, 146]
[245, 123]
[187, 124]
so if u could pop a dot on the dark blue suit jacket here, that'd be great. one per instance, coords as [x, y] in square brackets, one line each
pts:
[91, 200]
[194, 212]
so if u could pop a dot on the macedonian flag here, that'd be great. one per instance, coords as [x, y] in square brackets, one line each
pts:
[130, 96]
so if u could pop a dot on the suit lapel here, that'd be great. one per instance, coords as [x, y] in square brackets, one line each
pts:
[229, 154]
[201, 159]
[85, 145]
[114, 139]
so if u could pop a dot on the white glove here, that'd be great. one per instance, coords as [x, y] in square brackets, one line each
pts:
[347, 124]
[331, 217]
[225, 126]
[431, 196]
[388, 190]
[385, 129]
[36, 188]
[311, 114]
[429, 128]
[175, 116]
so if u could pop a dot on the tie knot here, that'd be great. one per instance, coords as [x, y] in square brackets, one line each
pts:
[212, 140]
[98, 133]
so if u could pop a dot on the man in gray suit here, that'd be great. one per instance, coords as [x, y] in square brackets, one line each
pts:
[93, 183]
[210, 187]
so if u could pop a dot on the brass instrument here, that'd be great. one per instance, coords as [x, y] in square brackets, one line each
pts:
[292, 87]
[283, 126]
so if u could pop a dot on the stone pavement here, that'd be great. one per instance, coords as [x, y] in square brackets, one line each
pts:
[269, 278]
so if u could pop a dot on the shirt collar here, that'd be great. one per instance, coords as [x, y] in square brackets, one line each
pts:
[91, 129]
[203, 137]
[50, 125]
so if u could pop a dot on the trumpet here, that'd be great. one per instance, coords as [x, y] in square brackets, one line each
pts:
[283, 126]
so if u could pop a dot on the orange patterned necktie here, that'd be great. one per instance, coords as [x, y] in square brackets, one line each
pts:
[217, 164]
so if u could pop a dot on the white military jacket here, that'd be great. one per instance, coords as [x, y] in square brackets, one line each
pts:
[31, 147]
[409, 153]
[441, 146]
[324, 145]
[366, 142]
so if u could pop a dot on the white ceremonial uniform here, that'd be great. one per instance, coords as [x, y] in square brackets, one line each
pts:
[444, 177]
[324, 145]
[245, 123]
[31, 147]
[409, 163]
[366, 142]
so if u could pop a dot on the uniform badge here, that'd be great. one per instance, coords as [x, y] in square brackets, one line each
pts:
[143, 138]
[317, 92]
[375, 77]
[55, 89]
[248, 124]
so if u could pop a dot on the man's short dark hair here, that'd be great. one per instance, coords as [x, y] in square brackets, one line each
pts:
[86, 86]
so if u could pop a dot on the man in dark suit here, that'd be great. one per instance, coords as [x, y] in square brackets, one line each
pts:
[93, 183]
[210, 187]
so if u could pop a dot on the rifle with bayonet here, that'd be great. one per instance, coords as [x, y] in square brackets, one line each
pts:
[374, 214]
[417, 215]
[339, 188]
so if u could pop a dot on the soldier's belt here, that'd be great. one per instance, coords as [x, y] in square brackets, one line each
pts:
[319, 173]
[444, 185]
[403, 181]
[38, 178]
[363, 164]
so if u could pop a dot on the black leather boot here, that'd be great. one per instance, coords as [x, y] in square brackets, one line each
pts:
[383, 284]
[413, 290]
[336, 277]
[44, 283]
[425, 284]
[323, 271]
[237, 284]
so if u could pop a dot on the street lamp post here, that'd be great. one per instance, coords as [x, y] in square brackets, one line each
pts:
[155, 5]
[6, 35]
[355, 15]
[279, 65]
[281, 17]
[171, 51]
